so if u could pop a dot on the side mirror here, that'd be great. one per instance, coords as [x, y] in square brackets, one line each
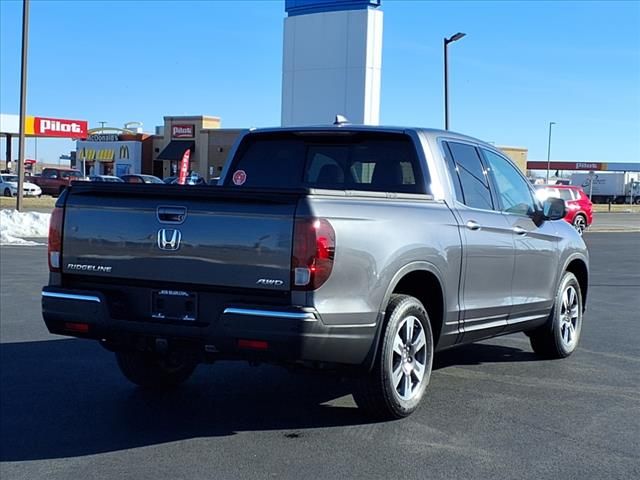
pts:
[554, 209]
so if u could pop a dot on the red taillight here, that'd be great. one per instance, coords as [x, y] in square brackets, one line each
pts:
[55, 240]
[253, 344]
[314, 245]
[76, 327]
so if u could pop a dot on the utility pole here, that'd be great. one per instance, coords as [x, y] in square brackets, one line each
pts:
[549, 151]
[446, 43]
[23, 102]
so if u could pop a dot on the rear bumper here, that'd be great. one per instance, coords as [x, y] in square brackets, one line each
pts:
[291, 334]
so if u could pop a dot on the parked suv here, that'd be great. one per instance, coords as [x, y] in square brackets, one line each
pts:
[356, 250]
[53, 181]
[579, 207]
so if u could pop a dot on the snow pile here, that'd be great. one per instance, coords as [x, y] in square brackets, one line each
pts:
[16, 226]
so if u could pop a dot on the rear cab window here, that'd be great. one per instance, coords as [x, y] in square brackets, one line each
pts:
[70, 173]
[385, 162]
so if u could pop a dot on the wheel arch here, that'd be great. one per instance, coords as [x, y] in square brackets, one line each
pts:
[423, 281]
[578, 267]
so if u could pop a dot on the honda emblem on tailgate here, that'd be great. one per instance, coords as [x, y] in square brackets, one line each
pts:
[169, 239]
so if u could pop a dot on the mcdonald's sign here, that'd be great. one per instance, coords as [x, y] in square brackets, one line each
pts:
[124, 152]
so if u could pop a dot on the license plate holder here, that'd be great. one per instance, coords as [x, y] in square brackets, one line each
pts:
[176, 305]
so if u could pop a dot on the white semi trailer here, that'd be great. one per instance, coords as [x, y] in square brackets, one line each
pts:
[609, 187]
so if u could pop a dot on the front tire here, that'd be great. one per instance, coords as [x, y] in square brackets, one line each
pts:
[7, 192]
[403, 365]
[154, 372]
[559, 337]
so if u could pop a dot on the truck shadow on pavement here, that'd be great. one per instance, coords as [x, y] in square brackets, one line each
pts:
[67, 398]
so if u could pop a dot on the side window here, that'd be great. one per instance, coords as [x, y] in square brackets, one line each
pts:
[513, 189]
[564, 193]
[49, 174]
[362, 172]
[453, 171]
[473, 178]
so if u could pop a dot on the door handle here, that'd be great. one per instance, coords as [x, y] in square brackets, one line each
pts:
[473, 225]
[171, 214]
[519, 231]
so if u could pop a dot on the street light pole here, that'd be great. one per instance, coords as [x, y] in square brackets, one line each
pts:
[549, 151]
[23, 102]
[446, 42]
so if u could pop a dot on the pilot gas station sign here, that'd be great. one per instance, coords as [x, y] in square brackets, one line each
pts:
[55, 127]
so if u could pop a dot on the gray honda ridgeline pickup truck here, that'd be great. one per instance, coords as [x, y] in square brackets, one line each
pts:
[358, 249]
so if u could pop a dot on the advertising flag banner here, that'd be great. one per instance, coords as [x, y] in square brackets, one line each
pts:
[184, 167]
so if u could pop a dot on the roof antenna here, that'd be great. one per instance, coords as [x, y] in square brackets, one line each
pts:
[341, 120]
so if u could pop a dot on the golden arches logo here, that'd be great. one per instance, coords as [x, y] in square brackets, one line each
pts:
[124, 152]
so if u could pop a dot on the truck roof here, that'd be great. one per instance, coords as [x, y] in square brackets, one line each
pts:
[432, 133]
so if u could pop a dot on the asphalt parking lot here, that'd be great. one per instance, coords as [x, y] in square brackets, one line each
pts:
[493, 410]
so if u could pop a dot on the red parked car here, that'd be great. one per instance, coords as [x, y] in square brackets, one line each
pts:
[579, 207]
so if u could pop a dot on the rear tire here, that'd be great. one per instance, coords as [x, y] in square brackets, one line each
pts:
[395, 386]
[580, 223]
[154, 372]
[559, 337]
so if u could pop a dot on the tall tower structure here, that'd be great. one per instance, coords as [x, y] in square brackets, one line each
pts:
[332, 61]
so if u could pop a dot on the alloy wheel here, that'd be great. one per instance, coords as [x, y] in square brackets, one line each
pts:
[580, 224]
[409, 358]
[569, 317]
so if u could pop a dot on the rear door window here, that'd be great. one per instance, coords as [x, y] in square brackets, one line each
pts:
[472, 176]
[566, 194]
[346, 161]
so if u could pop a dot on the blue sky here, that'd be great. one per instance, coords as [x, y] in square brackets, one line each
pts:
[522, 65]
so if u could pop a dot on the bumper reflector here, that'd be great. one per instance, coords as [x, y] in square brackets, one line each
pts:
[76, 327]
[253, 344]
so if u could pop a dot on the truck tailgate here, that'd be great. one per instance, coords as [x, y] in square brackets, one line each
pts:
[206, 235]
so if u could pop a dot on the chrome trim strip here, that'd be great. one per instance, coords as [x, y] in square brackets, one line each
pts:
[353, 325]
[306, 316]
[513, 320]
[71, 296]
[484, 319]
[473, 328]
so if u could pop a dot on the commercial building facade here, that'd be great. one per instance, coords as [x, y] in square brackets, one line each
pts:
[517, 154]
[120, 153]
[201, 134]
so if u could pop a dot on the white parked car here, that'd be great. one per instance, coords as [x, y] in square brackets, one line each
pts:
[9, 187]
